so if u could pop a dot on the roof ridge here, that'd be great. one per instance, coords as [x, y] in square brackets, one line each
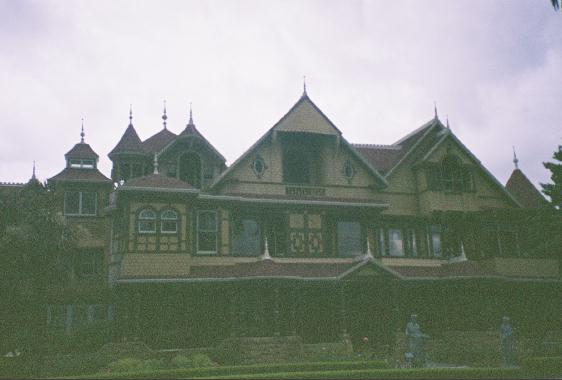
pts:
[378, 146]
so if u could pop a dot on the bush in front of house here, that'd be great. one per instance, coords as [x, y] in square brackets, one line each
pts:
[543, 366]
[134, 365]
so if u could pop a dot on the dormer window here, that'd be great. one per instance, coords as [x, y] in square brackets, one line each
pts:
[79, 163]
[450, 175]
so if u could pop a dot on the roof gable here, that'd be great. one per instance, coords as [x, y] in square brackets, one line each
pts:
[158, 141]
[306, 117]
[441, 137]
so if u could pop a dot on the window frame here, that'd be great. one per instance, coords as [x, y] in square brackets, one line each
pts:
[410, 246]
[241, 219]
[164, 219]
[215, 231]
[80, 203]
[81, 163]
[361, 238]
[141, 219]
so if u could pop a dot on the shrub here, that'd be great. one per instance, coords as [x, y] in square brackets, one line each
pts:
[126, 365]
[201, 360]
[545, 366]
[181, 361]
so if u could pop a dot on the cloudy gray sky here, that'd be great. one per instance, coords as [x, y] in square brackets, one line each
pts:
[374, 67]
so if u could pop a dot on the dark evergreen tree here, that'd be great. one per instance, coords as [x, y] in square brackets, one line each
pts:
[554, 190]
[34, 242]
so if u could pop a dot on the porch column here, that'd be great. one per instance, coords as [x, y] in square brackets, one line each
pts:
[276, 329]
[137, 315]
[234, 310]
[343, 312]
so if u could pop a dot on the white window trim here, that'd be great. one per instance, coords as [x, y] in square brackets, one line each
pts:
[216, 231]
[141, 219]
[164, 219]
[80, 213]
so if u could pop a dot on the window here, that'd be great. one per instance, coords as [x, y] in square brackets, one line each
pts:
[81, 163]
[147, 221]
[80, 203]
[435, 241]
[398, 242]
[450, 175]
[349, 238]
[169, 222]
[258, 166]
[90, 263]
[246, 237]
[207, 232]
[348, 170]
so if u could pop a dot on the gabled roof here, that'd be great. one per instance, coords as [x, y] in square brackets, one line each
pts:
[297, 115]
[524, 191]
[80, 175]
[381, 157]
[305, 116]
[191, 131]
[446, 134]
[130, 143]
[157, 182]
[81, 150]
[159, 141]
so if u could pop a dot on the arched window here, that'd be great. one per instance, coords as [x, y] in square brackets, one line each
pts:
[452, 174]
[190, 169]
[169, 222]
[147, 221]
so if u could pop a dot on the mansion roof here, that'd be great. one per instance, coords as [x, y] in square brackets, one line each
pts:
[524, 191]
[80, 175]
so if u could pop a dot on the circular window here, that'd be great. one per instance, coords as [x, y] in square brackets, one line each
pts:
[348, 170]
[258, 166]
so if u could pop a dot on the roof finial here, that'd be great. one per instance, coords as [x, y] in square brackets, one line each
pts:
[190, 115]
[155, 163]
[448, 126]
[164, 116]
[130, 114]
[82, 134]
[304, 86]
[515, 160]
[33, 174]
[435, 109]
[266, 255]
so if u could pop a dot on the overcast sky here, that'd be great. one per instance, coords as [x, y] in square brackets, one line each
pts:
[374, 67]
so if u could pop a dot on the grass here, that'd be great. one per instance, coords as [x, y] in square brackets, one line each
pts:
[322, 370]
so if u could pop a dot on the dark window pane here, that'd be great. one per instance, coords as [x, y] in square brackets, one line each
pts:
[147, 226]
[246, 238]
[169, 226]
[435, 241]
[72, 202]
[89, 203]
[395, 242]
[349, 238]
[207, 221]
[207, 241]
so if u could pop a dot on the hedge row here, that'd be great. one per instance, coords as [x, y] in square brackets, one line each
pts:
[245, 370]
[543, 366]
[419, 373]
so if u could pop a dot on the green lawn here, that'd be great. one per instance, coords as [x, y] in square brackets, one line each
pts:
[339, 370]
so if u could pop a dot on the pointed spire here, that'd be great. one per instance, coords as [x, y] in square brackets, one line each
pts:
[190, 122]
[82, 134]
[164, 116]
[448, 126]
[369, 254]
[435, 110]
[266, 255]
[515, 160]
[304, 86]
[130, 114]
[33, 174]
[155, 163]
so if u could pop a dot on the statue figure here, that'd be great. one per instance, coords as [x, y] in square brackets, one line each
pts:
[506, 343]
[415, 338]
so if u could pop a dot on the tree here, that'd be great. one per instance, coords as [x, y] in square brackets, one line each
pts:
[34, 240]
[554, 190]
[556, 4]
